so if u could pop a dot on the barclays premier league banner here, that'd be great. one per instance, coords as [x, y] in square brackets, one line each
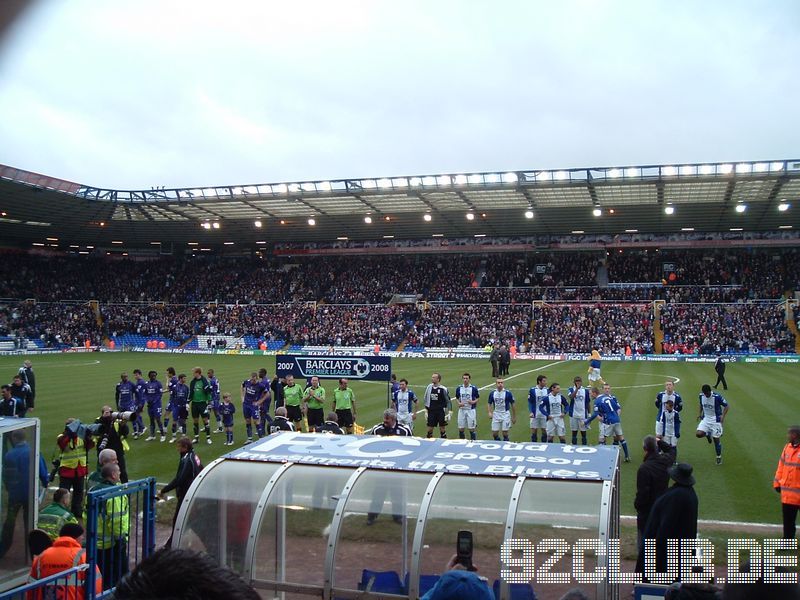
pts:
[364, 368]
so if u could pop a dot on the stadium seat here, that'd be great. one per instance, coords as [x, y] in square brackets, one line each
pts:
[426, 582]
[387, 582]
[519, 591]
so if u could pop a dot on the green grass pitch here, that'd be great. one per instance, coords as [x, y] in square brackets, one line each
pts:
[761, 397]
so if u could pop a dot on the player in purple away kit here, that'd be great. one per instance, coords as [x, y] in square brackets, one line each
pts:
[180, 410]
[138, 422]
[252, 397]
[215, 398]
[153, 391]
[172, 381]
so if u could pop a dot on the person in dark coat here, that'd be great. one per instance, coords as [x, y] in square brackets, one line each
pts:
[673, 516]
[652, 480]
[494, 358]
[505, 359]
[719, 367]
[189, 466]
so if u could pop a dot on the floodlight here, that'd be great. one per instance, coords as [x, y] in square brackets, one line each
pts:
[384, 183]
[686, 170]
[444, 180]
[669, 171]
[614, 173]
[561, 175]
[257, 223]
[744, 168]
[279, 188]
[415, 181]
[740, 208]
[429, 180]
[669, 210]
[783, 206]
[215, 225]
[528, 214]
[784, 226]
[470, 216]
[597, 212]
[706, 170]
[312, 222]
[427, 217]
[324, 186]
[632, 172]
[726, 169]
[460, 179]
[544, 176]
[492, 178]
[228, 243]
[367, 219]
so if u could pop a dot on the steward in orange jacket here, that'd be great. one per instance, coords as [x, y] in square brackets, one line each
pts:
[65, 553]
[787, 482]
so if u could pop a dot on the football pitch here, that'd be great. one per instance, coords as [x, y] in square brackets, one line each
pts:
[761, 397]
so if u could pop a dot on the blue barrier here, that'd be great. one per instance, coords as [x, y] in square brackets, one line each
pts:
[52, 587]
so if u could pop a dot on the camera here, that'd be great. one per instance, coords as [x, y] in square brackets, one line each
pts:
[121, 415]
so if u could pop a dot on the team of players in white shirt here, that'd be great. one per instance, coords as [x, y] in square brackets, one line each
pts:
[548, 409]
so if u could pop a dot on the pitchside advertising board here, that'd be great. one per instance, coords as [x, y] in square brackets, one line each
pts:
[362, 368]
[467, 457]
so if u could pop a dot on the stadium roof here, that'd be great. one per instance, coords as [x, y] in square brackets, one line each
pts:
[603, 200]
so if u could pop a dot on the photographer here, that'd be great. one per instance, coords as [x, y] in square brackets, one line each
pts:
[74, 444]
[111, 431]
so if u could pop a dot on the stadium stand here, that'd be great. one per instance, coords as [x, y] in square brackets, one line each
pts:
[544, 301]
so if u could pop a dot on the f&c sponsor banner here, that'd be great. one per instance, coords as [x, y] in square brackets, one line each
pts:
[468, 457]
[365, 368]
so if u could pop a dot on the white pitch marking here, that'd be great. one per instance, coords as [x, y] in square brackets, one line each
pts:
[558, 362]
[82, 364]
[771, 526]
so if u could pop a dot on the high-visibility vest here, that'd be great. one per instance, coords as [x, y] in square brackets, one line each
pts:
[787, 476]
[74, 455]
[113, 522]
[65, 553]
[52, 518]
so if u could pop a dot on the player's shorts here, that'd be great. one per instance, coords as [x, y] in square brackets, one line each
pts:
[712, 427]
[467, 418]
[227, 421]
[345, 417]
[611, 429]
[406, 419]
[670, 439]
[539, 423]
[316, 417]
[555, 427]
[576, 424]
[154, 411]
[501, 420]
[199, 409]
[594, 374]
[436, 417]
[251, 411]
[293, 412]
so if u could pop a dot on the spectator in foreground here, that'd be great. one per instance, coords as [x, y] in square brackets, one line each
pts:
[787, 482]
[459, 584]
[673, 515]
[652, 480]
[183, 575]
[65, 553]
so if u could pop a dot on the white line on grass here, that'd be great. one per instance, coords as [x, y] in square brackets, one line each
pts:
[558, 362]
[74, 364]
[713, 522]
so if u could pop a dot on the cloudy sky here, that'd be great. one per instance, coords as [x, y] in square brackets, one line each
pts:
[137, 93]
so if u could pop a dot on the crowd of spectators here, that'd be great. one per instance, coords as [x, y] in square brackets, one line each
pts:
[471, 325]
[483, 298]
[609, 328]
[708, 329]
[52, 324]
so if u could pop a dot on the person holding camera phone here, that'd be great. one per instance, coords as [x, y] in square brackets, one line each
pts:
[111, 432]
[459, 581]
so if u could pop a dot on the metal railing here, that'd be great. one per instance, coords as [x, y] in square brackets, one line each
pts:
[120, 529]
[54, 587]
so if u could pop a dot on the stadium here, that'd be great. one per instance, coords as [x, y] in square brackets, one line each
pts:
[659, 268]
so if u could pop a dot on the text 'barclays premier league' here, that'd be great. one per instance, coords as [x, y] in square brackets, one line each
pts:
[594, 561]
